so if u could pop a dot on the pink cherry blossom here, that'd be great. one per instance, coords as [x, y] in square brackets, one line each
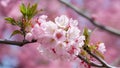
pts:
[56, 39]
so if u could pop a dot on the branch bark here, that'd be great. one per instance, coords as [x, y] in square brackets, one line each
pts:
[104, 64]
[91, 63]
[17, 43]
[77, 10]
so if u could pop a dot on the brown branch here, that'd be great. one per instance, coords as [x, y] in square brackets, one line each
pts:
[88, 62]
[106, 28]
[17, 43]
[104, 64]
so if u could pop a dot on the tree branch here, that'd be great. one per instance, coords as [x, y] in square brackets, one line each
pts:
[106, 28]
[104, 64]
[17, 43]
[88, 62]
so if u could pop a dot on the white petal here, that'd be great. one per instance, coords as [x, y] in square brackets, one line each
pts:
[62, 21]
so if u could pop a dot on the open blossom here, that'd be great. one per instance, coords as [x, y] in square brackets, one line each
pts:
[62, 21]
[60, 35]
[42, 19]
[101, 47]
[80, 41]
[73, 33]
[51, 27]
[73, 22]
[56, 39]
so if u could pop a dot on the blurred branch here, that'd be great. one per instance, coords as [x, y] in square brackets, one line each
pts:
[17, 43]
[116, 62]
[80, 12]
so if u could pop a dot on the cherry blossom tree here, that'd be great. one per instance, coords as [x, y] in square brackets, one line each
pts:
[57, 37]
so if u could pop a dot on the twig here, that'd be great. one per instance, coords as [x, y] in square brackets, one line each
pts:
[88, 62]
[104, 64]
[17, 43]
[106, 28]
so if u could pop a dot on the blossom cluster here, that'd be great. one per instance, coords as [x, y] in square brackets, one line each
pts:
[58, 39]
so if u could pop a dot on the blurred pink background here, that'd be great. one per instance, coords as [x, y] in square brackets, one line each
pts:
[106, 12]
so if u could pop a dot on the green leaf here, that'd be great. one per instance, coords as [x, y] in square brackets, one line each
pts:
[10, 20]
[19, 23]
[23, 9]
[16, 32]
[32, 11]
[92, 47]
[28, 11]
[87, 35]
[83, 53]
[33, 8]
